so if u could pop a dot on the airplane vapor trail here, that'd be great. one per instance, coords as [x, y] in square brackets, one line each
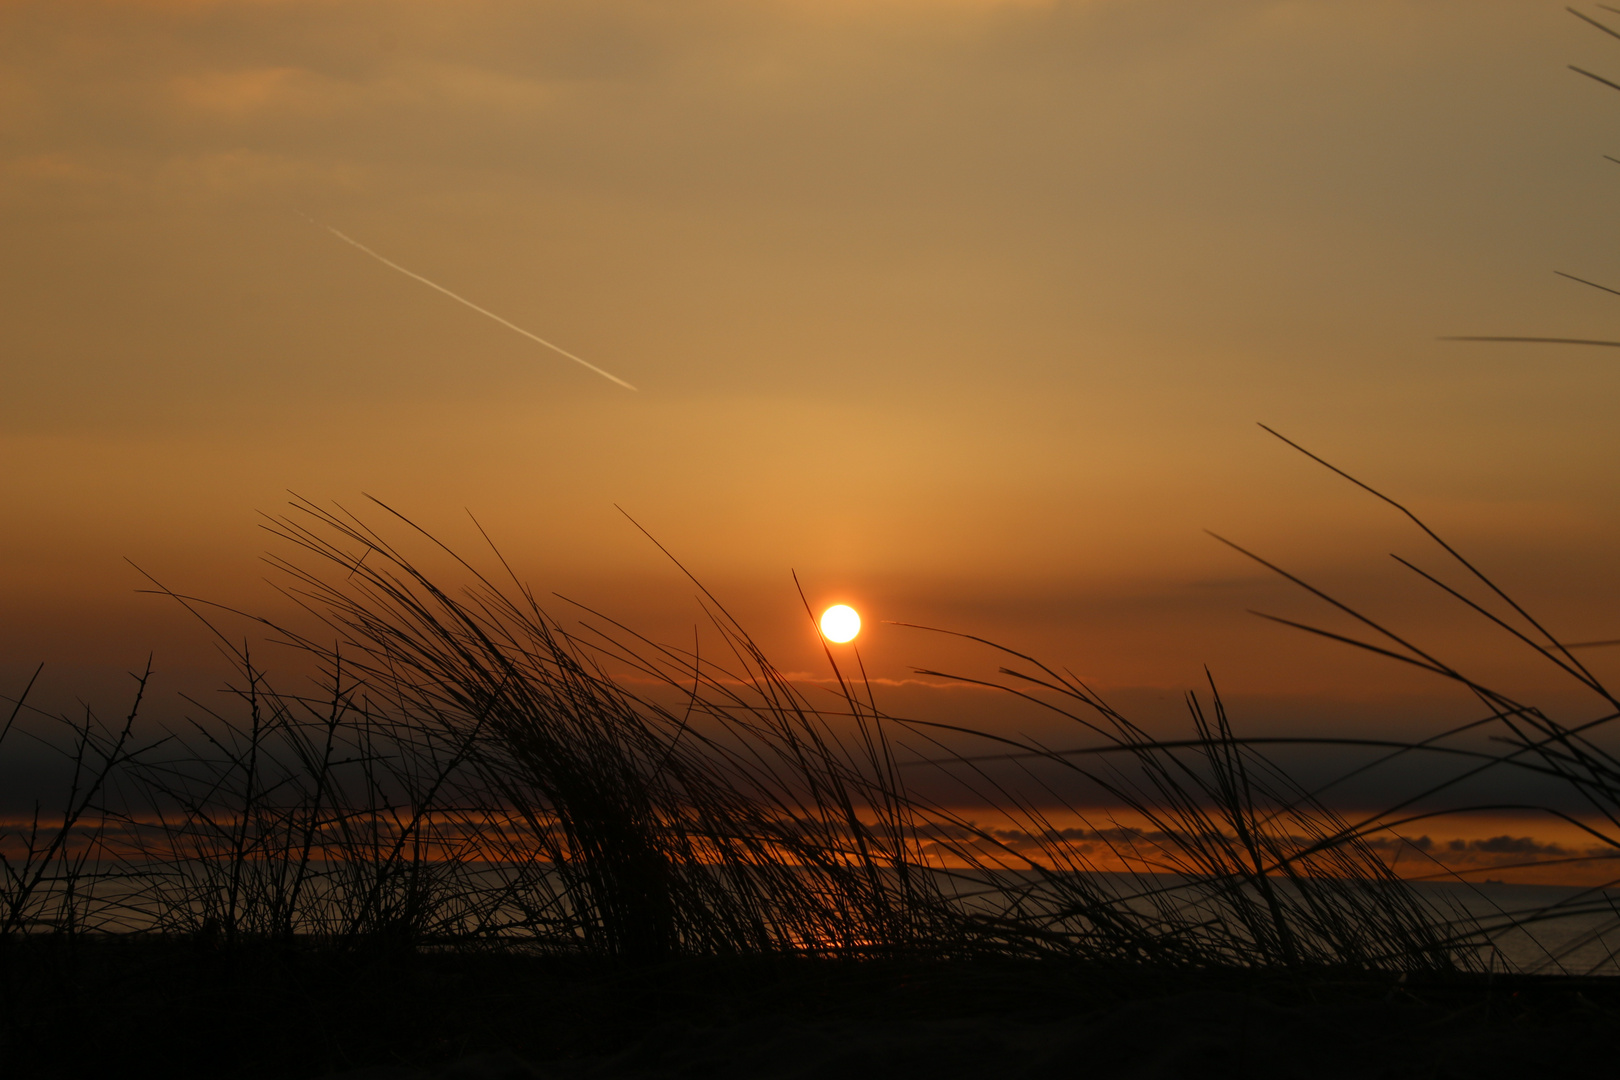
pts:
[463, 300]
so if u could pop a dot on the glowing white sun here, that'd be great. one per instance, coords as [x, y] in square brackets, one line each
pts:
[840, 623]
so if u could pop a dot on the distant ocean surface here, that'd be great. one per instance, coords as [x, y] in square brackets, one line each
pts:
[1541, 929]
[1533, 929]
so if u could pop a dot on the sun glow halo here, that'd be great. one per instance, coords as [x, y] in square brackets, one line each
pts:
[840, 623]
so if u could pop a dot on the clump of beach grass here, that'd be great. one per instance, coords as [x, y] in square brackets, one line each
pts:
[470, 771]
[466, 772]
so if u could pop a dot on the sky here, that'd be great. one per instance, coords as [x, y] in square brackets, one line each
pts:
[963, 311]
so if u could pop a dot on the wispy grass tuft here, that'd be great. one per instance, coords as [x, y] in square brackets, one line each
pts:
[465, 772]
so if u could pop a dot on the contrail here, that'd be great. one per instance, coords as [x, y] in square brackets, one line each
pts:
[462, 299]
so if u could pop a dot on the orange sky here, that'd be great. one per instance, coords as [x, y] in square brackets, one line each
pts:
[965, 310]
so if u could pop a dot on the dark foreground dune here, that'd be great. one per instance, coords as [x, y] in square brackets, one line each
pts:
[177, 1011]
[1196, 1034]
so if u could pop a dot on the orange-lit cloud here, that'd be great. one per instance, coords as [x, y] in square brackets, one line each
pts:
[237, 93]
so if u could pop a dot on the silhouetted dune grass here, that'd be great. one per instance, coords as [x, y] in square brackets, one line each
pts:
[472, 810]
[475, 827]
[467, 773]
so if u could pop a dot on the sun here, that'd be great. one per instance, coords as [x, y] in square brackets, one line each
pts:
[840, 623]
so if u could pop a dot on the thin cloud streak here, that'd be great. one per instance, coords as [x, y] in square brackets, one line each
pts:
[462, 299]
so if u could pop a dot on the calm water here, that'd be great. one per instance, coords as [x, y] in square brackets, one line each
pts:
[1539, 929]
[1574, 930]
